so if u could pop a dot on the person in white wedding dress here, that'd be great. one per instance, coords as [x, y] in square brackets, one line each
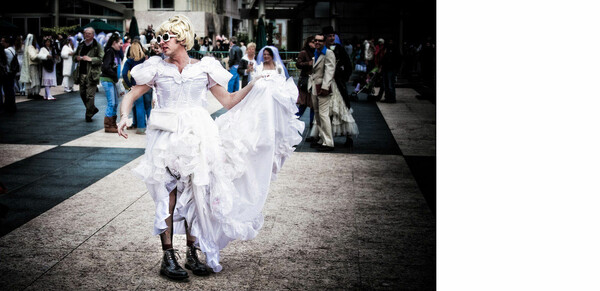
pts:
[209, 178]
[269, 63]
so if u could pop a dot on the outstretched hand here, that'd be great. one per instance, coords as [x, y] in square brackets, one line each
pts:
[122, 125]
[256, 79]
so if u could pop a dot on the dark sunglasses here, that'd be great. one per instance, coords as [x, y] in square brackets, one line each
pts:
[165, 37]
[319, 40]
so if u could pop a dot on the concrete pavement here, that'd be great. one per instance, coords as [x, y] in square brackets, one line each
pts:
[75, 217]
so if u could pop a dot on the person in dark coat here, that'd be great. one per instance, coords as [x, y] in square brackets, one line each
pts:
[390, 63]
[88, 56]
[305, 64]
[235, 56]
[343, 67]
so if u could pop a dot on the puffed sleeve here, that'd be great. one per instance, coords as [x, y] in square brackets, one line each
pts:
[145, 73]
[216, 71]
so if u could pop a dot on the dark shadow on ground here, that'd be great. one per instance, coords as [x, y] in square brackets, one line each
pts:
[424, 171]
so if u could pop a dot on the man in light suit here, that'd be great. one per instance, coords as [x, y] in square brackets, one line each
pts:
[319, 84]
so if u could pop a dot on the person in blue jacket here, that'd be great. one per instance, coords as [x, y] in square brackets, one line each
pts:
[143, 105]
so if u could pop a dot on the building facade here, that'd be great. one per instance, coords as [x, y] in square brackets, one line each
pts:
[209, 17]
[31, 16]
[288, 22]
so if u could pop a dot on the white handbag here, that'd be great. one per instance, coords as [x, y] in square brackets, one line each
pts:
[163, 119]
[121, 91]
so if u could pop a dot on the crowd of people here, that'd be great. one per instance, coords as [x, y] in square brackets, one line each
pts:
[87, 59]
[43, 63]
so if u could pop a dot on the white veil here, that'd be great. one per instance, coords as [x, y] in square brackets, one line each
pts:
[25, 67]
[276, 59]
[337, 40]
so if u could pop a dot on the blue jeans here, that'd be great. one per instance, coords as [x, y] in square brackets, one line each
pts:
[143, 106]
[111, 98]
[301, 109]
[234, 82]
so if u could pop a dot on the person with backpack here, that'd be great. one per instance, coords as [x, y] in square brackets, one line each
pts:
[12, 57]
[7, 43]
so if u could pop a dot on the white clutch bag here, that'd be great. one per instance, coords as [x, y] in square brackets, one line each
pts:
[163, 119]
[120, 88]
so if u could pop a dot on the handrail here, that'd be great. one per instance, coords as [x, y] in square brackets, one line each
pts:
[288, 58]
[286, 55]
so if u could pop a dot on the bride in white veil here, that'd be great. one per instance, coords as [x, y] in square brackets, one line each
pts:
[268, 60]
[30, 72]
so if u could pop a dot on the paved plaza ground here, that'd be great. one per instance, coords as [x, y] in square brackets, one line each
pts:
[76, 218]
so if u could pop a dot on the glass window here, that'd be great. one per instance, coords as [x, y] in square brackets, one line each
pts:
[127, 3]
[155, 4]
[168, 4]
[162, 4]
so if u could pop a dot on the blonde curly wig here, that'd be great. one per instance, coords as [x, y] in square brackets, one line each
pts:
[182, 27]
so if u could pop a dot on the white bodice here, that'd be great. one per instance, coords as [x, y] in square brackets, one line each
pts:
[180, 90]
[260, 71]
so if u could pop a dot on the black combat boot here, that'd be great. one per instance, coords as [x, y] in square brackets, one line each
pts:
[170, 268]
[193, 263]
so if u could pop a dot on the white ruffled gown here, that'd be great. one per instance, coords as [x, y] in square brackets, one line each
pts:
[342, 121]
[224, 166]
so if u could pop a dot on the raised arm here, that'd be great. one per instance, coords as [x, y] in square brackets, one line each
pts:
[127, 104]
[228, 100]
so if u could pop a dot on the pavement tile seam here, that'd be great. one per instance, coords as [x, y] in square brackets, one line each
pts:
[47, 186]
[58, 170]
[11, 153]
[80, 244]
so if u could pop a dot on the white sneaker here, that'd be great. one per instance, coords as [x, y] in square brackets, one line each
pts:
[51, 98]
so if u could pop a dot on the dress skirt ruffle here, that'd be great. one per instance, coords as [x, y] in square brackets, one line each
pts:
[342, 122]
[222, 168]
